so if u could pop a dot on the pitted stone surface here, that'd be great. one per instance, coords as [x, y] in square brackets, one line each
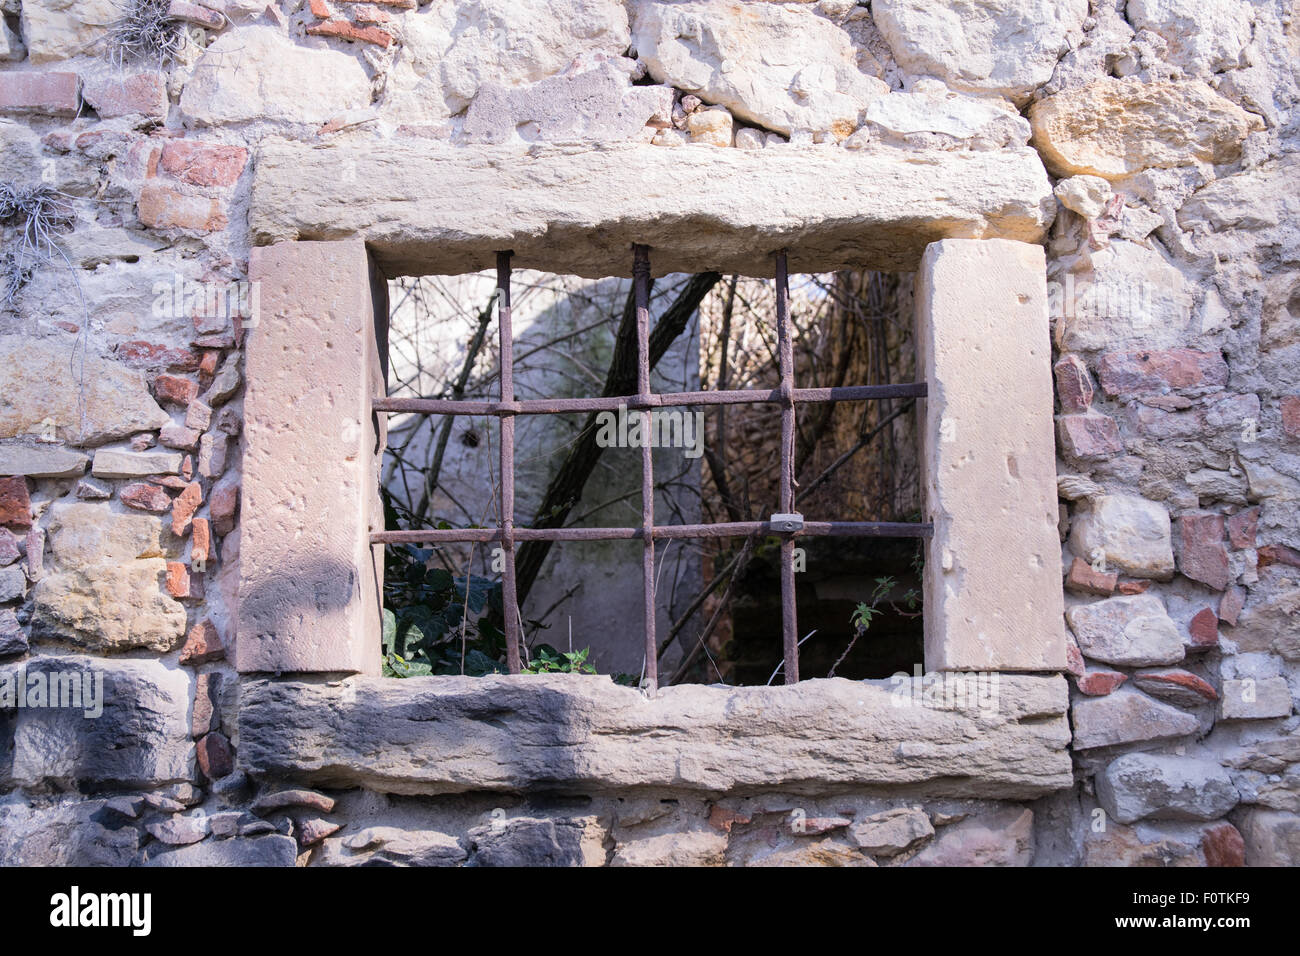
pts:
[456, 734]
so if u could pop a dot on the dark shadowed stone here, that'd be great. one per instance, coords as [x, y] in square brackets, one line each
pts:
[141, 738]
[273, 850]
[530, 842]
[457, 734]
[80, 833]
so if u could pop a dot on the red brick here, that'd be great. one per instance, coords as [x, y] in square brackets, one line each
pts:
[178, 579]
[145, 496]
[1223, 846]
[15, 503]
[723, 819]
[152, 355]
[1291, 415]
[1278, 554]
[320, 10]
[203, 644]
[208, 367]
[1230, 605]
[223, 503]
[215, 758]
[400, 4]
[1133, 587]
[372, 16]
[1204, 629]
[1089, 436]
[143, 94]
[1073, 657]
[53, 94]
[1201, 552]
[164, 208]
[1073, 384]
[1083, 579]
[1242, 527]
[1177, 686]
[343, 30]
[206, 715]
[1132, 373]
[1099, 683]
[200, 540]
[203, 164]
[183, 508]
[175, 389]
[171, 482]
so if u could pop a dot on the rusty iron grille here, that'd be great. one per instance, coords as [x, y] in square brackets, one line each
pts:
[786, 523]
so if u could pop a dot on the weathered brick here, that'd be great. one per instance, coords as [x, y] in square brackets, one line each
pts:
[1223, 845]
[152, 355]
[1291, 415]
[1242, 527]
[35, 554]
[15, 503]
[1134, 373]
[320, 10]
[1278, 554]
[52, 94]
[206, 716]
[1204, 629]
[215, 758]
[212, 454]
[1083, 579]
[178, 579]
[1073, 384]
[194, 13]
[343, 30]
[183, 508]
[1099, 683]
[9, 550]
[200, 540]
[145, 496]
[1230, 605]
[1089, 435]
[175, 389]
[198, 416]
[1177, 687]
[203, 164]
[161, 207]
[1202, 555]
[143, 94]
[1133, 587]
[363, 15]
[203, 644]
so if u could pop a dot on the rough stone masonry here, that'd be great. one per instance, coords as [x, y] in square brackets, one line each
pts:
[1151, 147]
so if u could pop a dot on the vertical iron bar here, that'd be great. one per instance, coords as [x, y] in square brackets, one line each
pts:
[510, 602]
[785, 347]
[641, 284]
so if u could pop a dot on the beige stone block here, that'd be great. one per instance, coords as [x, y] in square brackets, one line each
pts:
[309, 579]
[993, 595]
[697, 208]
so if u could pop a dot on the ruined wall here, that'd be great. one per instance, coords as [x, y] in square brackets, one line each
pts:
[1170, 130]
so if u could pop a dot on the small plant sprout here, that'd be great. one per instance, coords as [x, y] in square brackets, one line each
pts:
[39, 213]
[865, 613]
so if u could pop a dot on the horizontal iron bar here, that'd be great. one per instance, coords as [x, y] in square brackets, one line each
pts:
[726, 529]
[552, 406]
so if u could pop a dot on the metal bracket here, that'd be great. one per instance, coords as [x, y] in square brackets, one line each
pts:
[787, 523]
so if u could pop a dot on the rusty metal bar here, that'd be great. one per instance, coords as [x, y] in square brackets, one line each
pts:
[552, 406]
[641, 288]
[785, 354]
[509, 600]
[725, 529]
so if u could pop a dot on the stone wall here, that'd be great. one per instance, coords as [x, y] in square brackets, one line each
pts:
[1168, 131]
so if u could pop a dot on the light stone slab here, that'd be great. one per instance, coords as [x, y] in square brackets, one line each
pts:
[36, 461]
[459, 734]
[310, 580]
[993, 597]
[427, 208]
